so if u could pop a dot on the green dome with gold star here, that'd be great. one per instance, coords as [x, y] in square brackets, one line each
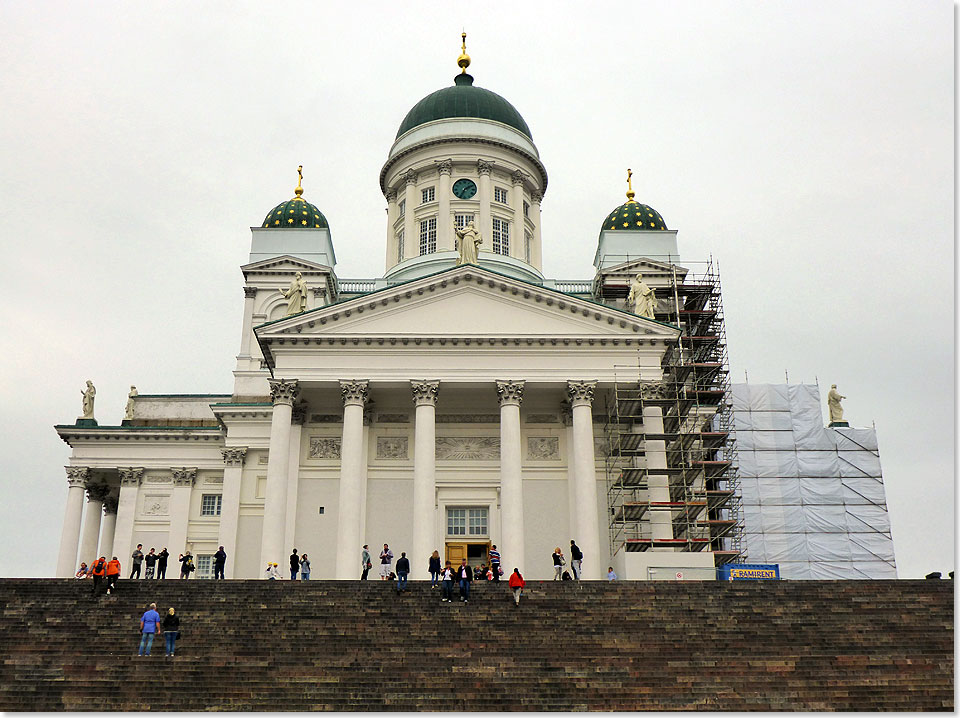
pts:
[634, 216]
[296, 213]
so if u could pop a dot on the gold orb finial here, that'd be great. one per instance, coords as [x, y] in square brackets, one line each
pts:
[464, 60]
[299, 190]
[630, 193]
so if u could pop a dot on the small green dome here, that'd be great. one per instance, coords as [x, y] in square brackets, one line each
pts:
[295, 213]
[633, 216]
[463, 100]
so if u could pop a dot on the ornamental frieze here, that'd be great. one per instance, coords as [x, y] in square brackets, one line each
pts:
[543, 448]
[468, 448]
[324, 447]
[392, 447]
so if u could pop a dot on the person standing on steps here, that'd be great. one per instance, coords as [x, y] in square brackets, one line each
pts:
[137, 557]
[113, 574]
[576, 559]
[294, 565]
[219, 562]
[148, 628]
[558, 562]
[151, 560]
[446, 590]
[171, 630]
[403, 568]
[494, 557]
[465, 576]
[304, 568]
[98, 570]
[186, 564]
[366, 562]
[162, 563]
[611, 576]
[435, 569]
[386, 558]
[517, 584]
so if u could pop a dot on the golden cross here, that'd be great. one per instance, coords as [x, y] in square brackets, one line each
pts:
[629, 175]
[299, 176]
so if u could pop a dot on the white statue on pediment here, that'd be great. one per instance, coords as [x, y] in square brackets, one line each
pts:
[128, 411]
[833, 404]
[89, 394]
[641, 298]
[468, 244]
[296, 296]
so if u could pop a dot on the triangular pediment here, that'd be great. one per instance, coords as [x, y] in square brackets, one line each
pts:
[284, 263]
[468, 302]
[644, 264]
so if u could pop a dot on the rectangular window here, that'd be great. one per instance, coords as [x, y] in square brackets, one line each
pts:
[204, 566]
[462, 220]
[500, 195]
[427, 195]
[477, 522]
[428, 236]
[501, 236]
[456, 522]
[527, 241]
[526, 209]
[402, 207]
[400, 246]
[210, 504]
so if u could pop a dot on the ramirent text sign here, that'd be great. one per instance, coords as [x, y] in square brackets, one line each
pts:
[749, 572]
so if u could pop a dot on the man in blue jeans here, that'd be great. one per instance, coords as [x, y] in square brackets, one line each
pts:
[465, 576]
[148, 628]
[403, 568]
[446, 587]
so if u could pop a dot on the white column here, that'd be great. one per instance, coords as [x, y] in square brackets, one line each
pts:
[96, 493]
[230, 505]
[444, 219]
[126, 512]
[352, 461]
[391, 258]
[283, 393]
[70, 535]
[536, 251]
[424, 476]
[183, 480]
[108, 527]
[518, 230]
[411, 239]
[486, 197]
[655, 453]
[293, 480]
[246, 336]
[587, 525]
[567, 416]
[512, 547]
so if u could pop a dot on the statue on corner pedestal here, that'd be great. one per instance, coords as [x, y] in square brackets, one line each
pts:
[642, 298]
[88, 396]
[128, 411]
[468, 244]
[833, 404]
[296, 296]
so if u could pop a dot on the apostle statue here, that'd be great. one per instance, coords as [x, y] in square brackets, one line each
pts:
[642, 298]
[833, 404]
[88, 396]
[469, 244]
[128, 411]
[296, 296]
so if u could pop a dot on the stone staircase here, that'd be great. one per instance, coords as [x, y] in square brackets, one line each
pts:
[338, 645]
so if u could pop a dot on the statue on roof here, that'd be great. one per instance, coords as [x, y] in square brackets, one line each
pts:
[296, 296]
[469, 241]
[641, 298]
[128, 411]
[88, 396]
[833, 404]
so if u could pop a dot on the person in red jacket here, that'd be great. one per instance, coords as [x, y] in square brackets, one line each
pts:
[113, 573]
[517, 584]
[98, 569]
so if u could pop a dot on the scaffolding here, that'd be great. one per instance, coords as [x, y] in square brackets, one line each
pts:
[671, 464]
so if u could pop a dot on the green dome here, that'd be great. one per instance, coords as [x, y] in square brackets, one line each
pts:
[295, 213]
[464, 100]
[633, 216]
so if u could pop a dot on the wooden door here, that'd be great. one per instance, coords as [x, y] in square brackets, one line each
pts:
[456, 552]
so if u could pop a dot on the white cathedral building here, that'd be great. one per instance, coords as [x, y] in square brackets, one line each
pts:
[456, 402]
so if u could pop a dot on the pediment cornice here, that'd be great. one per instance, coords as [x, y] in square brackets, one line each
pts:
[284, 264]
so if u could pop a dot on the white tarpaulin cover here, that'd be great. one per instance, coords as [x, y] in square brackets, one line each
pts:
[812, 496]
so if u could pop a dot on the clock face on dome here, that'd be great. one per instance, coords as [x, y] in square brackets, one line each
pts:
[464, 188]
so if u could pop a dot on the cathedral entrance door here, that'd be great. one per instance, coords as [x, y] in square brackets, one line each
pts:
[475, 553]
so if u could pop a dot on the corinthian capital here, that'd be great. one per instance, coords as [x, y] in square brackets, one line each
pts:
[110, 505]
[581, 392]
[425, 392]
[234, 456]
[284, 391]
[510, 392]
[537, 197]
[517, 177]
[484, 167]
[445, 167]
[250, 292]
[354, 392]
[390, 195]
[130, 477]
[184, 476]
[77, 476]
[410, 177]
[97, 492]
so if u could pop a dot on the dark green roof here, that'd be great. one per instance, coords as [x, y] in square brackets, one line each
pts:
[295, 213]
[634, 216]
[463, 100]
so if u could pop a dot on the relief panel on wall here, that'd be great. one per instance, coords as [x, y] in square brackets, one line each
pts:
[156, 505]
[324, 447]
[392, 447]
[468, 448]
[543, 448]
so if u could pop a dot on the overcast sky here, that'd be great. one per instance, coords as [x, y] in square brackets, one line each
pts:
[806, 146]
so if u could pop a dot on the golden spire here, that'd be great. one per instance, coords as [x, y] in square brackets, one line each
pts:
[630, 193]
[464, 60]
[299, 190]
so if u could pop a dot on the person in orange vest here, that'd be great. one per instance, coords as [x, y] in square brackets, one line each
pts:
[98, 569]
[113, 573]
